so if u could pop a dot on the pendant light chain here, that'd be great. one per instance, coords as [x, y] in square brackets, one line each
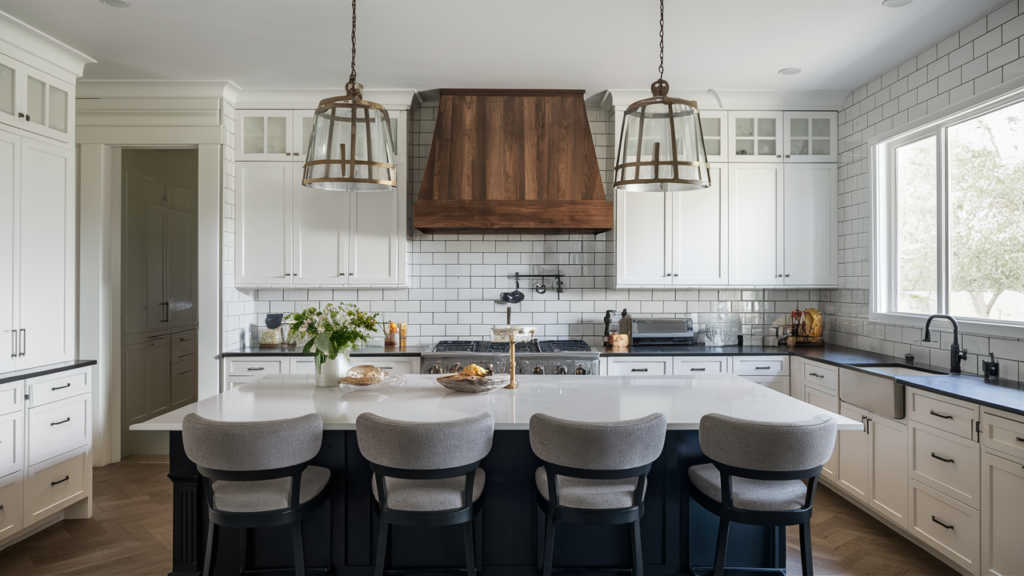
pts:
[352, 76]
[661, 54]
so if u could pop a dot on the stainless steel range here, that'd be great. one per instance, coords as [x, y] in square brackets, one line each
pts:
[560, 357]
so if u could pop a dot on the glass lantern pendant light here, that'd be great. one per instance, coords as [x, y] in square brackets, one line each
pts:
[350, 145]
[661, 145]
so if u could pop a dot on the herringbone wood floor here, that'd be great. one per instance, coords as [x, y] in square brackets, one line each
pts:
[130, 534]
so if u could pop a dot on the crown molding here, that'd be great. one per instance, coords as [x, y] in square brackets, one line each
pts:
[37, 48]
[741, 99]
[227, 90]
[308, 98]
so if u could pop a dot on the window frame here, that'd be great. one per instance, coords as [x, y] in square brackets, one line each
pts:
[882, 174]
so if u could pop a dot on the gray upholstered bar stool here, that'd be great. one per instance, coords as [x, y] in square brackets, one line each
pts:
[594, 473]
[755, 475]
[426, 474]
[257, 474]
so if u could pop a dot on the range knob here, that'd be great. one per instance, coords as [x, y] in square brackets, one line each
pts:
[453, 368]
[561, 370]
[581, 370]
[538, 369]
[435, 369]
[490, 368]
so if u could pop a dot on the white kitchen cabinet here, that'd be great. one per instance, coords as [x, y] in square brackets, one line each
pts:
[715, 127]
[245, 369]
[287, 234]
[302, 126]
[263, 222]
[756, 224]
[873, 463]
[1002, 514]
[12, 443]
[673, 239]
[946, 463]
[145, 380]
[10, 96]
[810, 223]
[822, 399]
[645, 366]
[854, 453]
[694, 365]
[761, 365]
[777, 383]
[950, 527]
[264, 135]
[810, 136]
[755, 136]
[44, 254]
[48, 104]
[10, 166]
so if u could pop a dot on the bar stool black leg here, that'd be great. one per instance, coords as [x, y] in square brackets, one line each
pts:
[805, 549]
[467, 541]
[300, 560]
[243, 543]
[638, 555]
[549, 544]
[382, 548]
[723, 540]
[211, 541]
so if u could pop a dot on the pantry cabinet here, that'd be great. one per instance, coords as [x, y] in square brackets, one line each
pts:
[673, 239]
[37, 257]
[756, 220]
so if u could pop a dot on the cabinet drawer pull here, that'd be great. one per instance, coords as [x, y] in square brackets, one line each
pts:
[816, 375]
[639, 369]
[23, 346]
[697, 369]
[187, 355]
[1019, 439]
[386, 367]
[939, 522]
[183, 373]
[256, 368]
[946, 416]
[68, 385]
[64, 421]
[762, 368]
[66, 478]
[946, 460]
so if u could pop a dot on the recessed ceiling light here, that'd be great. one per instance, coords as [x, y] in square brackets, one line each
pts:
[895, 3]
[116, 3]
[789, 71]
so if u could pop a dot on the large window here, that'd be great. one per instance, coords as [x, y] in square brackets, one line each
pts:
[949, 209]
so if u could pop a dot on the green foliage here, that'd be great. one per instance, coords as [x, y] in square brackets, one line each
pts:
[332, 330]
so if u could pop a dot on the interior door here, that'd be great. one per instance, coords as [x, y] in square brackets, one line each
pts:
[10, 168]
[755, 224]
[643, 236]
[45, 252]
[321, 240]
[854, 451]
[263, 223]
[374, 242]
[811, 220]
[700, 235]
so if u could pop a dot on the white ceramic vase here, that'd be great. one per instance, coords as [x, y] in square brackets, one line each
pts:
[331, 370]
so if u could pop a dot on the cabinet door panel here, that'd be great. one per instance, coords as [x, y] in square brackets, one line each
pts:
[46, 103]
[854, 450]
[182, 283]
[1002, 515]
[9, 91]
[10, 169]
[811, 241]
[46, 256]
[701, 234]
[755, 224]
[302, 125]
[146, 379]
[373, 248]
[755, 136]
[321, 236]
[810, 136]
[263, 135]
[643, 234]
[824, 401]
[888, 468]
[715, 126]
[143, 271]
[263, 226]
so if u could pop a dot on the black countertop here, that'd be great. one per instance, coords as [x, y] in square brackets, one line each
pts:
[297, 351]
[6, 377]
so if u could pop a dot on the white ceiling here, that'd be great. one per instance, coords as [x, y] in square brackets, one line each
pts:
[594, 45]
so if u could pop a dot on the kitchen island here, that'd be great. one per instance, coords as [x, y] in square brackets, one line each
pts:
[677, 533]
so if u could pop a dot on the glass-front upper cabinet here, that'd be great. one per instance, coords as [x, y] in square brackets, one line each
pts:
[265, 135]
[755, 136]
[715, 126]
[810, 136]
[302, 125]
[9, 86]
[46, 105]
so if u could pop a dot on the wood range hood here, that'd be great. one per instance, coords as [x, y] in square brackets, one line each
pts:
[512, 161]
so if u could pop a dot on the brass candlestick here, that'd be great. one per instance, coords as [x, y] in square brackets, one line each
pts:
[512, 385]
[512, 334]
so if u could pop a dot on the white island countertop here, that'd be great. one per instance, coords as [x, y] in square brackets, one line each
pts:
[683, 400]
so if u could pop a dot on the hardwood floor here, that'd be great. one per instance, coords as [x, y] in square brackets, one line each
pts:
[130, 534]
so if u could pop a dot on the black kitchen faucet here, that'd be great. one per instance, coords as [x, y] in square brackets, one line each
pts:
[955, 354]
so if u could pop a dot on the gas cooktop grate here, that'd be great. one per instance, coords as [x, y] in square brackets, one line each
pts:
[485, 347]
